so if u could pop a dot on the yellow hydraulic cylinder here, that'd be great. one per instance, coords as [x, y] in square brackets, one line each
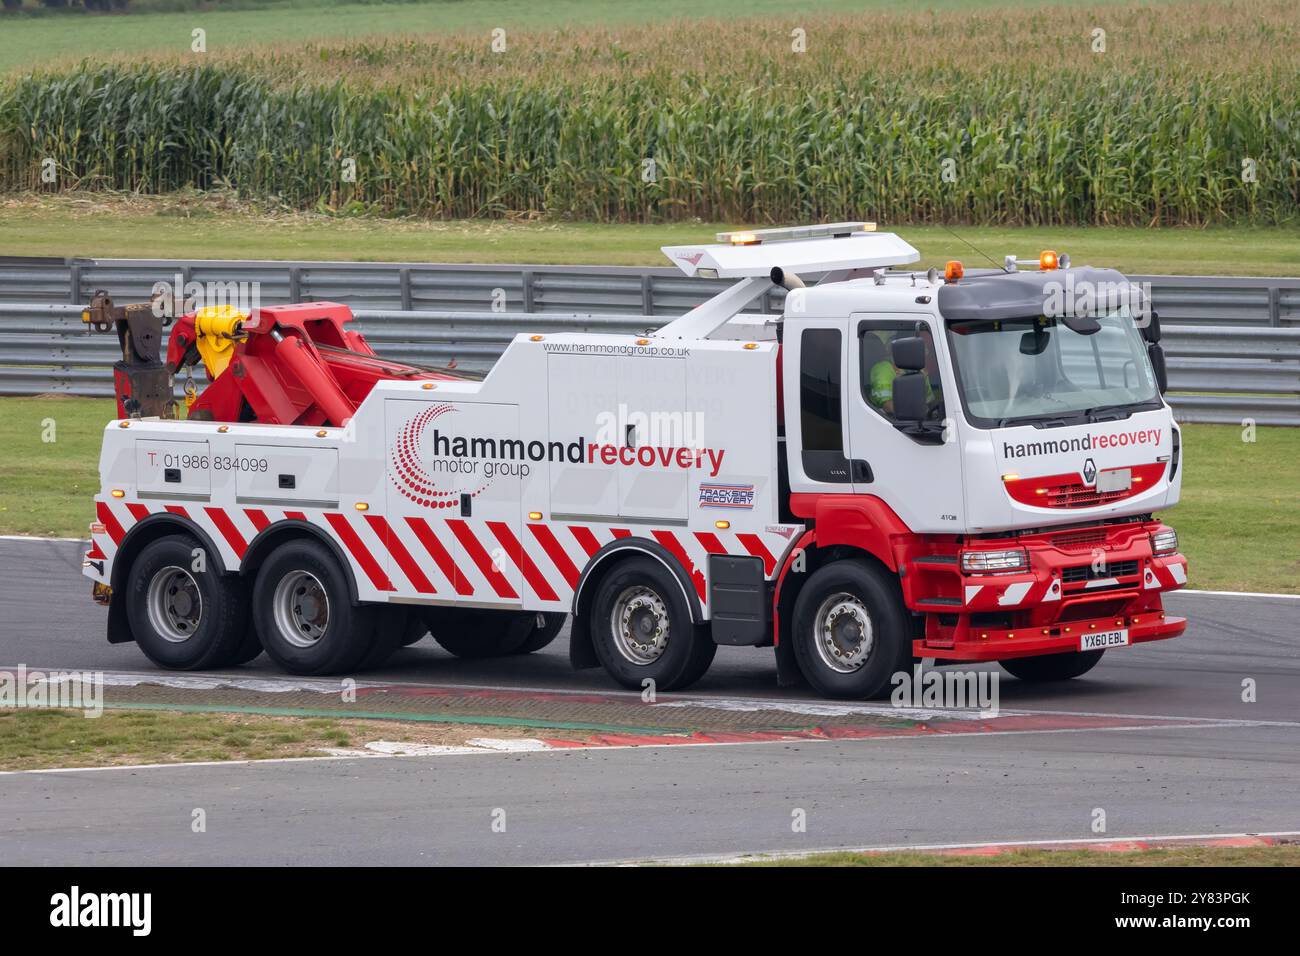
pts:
[216, 330]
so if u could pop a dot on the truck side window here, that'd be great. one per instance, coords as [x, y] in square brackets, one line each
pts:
[878, 371]
[819, 390]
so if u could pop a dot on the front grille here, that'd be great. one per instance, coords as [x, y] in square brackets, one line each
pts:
[1079, 540]
[1086, 572]
[1079, 495]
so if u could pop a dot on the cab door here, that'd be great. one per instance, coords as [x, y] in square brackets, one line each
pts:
[921, 480]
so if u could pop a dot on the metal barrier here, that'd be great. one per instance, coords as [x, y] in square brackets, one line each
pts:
[602, 290]
[1217, 373]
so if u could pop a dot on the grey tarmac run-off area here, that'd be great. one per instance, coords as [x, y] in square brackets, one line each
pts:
[1238, 771]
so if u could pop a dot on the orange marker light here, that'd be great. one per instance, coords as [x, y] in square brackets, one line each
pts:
[744, 239]
[534, 516]
[953, 271]
[722, 525]
[1048, 261]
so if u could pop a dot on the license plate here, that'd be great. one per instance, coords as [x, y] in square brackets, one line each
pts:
[1103, 639]
[1118, 479]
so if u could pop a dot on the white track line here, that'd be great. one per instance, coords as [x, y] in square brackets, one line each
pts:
[915, 848]
[1247, 594]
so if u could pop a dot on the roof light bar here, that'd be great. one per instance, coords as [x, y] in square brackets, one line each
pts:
[834, 230]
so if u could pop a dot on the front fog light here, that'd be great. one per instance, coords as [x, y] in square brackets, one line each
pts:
[1164, 542]
[993, 562]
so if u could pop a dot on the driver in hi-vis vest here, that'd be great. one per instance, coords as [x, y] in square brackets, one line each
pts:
[880, 378]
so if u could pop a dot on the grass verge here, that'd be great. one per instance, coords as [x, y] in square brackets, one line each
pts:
[214, 226]
[43, 738]
[1281, 855]
[1238, 521]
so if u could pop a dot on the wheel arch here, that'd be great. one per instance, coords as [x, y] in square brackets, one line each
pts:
[292, 529]
[582, 652]
[150, 529]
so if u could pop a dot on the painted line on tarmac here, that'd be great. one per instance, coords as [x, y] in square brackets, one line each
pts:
[1098, 844]
[1244, 594]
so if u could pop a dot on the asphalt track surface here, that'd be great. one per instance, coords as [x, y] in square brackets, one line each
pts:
[1237, 771]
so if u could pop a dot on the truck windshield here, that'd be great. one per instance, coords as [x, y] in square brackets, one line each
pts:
[1019, 371]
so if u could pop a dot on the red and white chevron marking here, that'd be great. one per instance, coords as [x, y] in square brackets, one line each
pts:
[447, 558]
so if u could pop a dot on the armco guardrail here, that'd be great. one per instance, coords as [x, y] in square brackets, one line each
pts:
[601, 290]
[1218, 373]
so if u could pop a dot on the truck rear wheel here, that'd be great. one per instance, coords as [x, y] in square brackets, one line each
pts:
[851, 632]
[305, 615]
[1052, 667]
[182, 618]
[642, 629]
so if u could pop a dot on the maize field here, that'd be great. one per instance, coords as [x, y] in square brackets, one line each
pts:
[986, 117]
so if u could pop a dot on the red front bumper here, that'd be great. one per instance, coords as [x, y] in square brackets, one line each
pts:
[1080, 581]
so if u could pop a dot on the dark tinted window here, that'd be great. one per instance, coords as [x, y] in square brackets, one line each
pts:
[819, 390]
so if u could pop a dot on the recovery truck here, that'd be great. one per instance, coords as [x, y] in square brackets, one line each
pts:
[903, 465]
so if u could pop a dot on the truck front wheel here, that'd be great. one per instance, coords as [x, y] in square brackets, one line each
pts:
[305, 616]
[184, 615]
[642, 629]
[1052, 667]
[851, 632]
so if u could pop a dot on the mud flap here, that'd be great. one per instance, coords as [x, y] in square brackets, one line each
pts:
[787, 668]
[119, 628]
[582, 652]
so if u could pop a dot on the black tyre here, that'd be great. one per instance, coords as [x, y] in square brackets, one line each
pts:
[305, 615]
[250, 647]
[851, 630]
[392, 624]
[641, 628]
[1052, 667]
[545, 627]
[476, 633]
[416, 629]
[183, 618]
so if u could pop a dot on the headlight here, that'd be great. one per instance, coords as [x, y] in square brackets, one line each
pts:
[991, 562]
[1164, 542]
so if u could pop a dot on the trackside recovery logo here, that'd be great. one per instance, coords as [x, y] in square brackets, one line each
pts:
[1144, 436]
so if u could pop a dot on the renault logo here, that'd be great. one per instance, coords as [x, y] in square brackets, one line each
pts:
[1089, 472]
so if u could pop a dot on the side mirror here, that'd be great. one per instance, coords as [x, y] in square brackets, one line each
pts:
[1156, 353]
[908, 354]
[1151, 330]
[909, 396]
